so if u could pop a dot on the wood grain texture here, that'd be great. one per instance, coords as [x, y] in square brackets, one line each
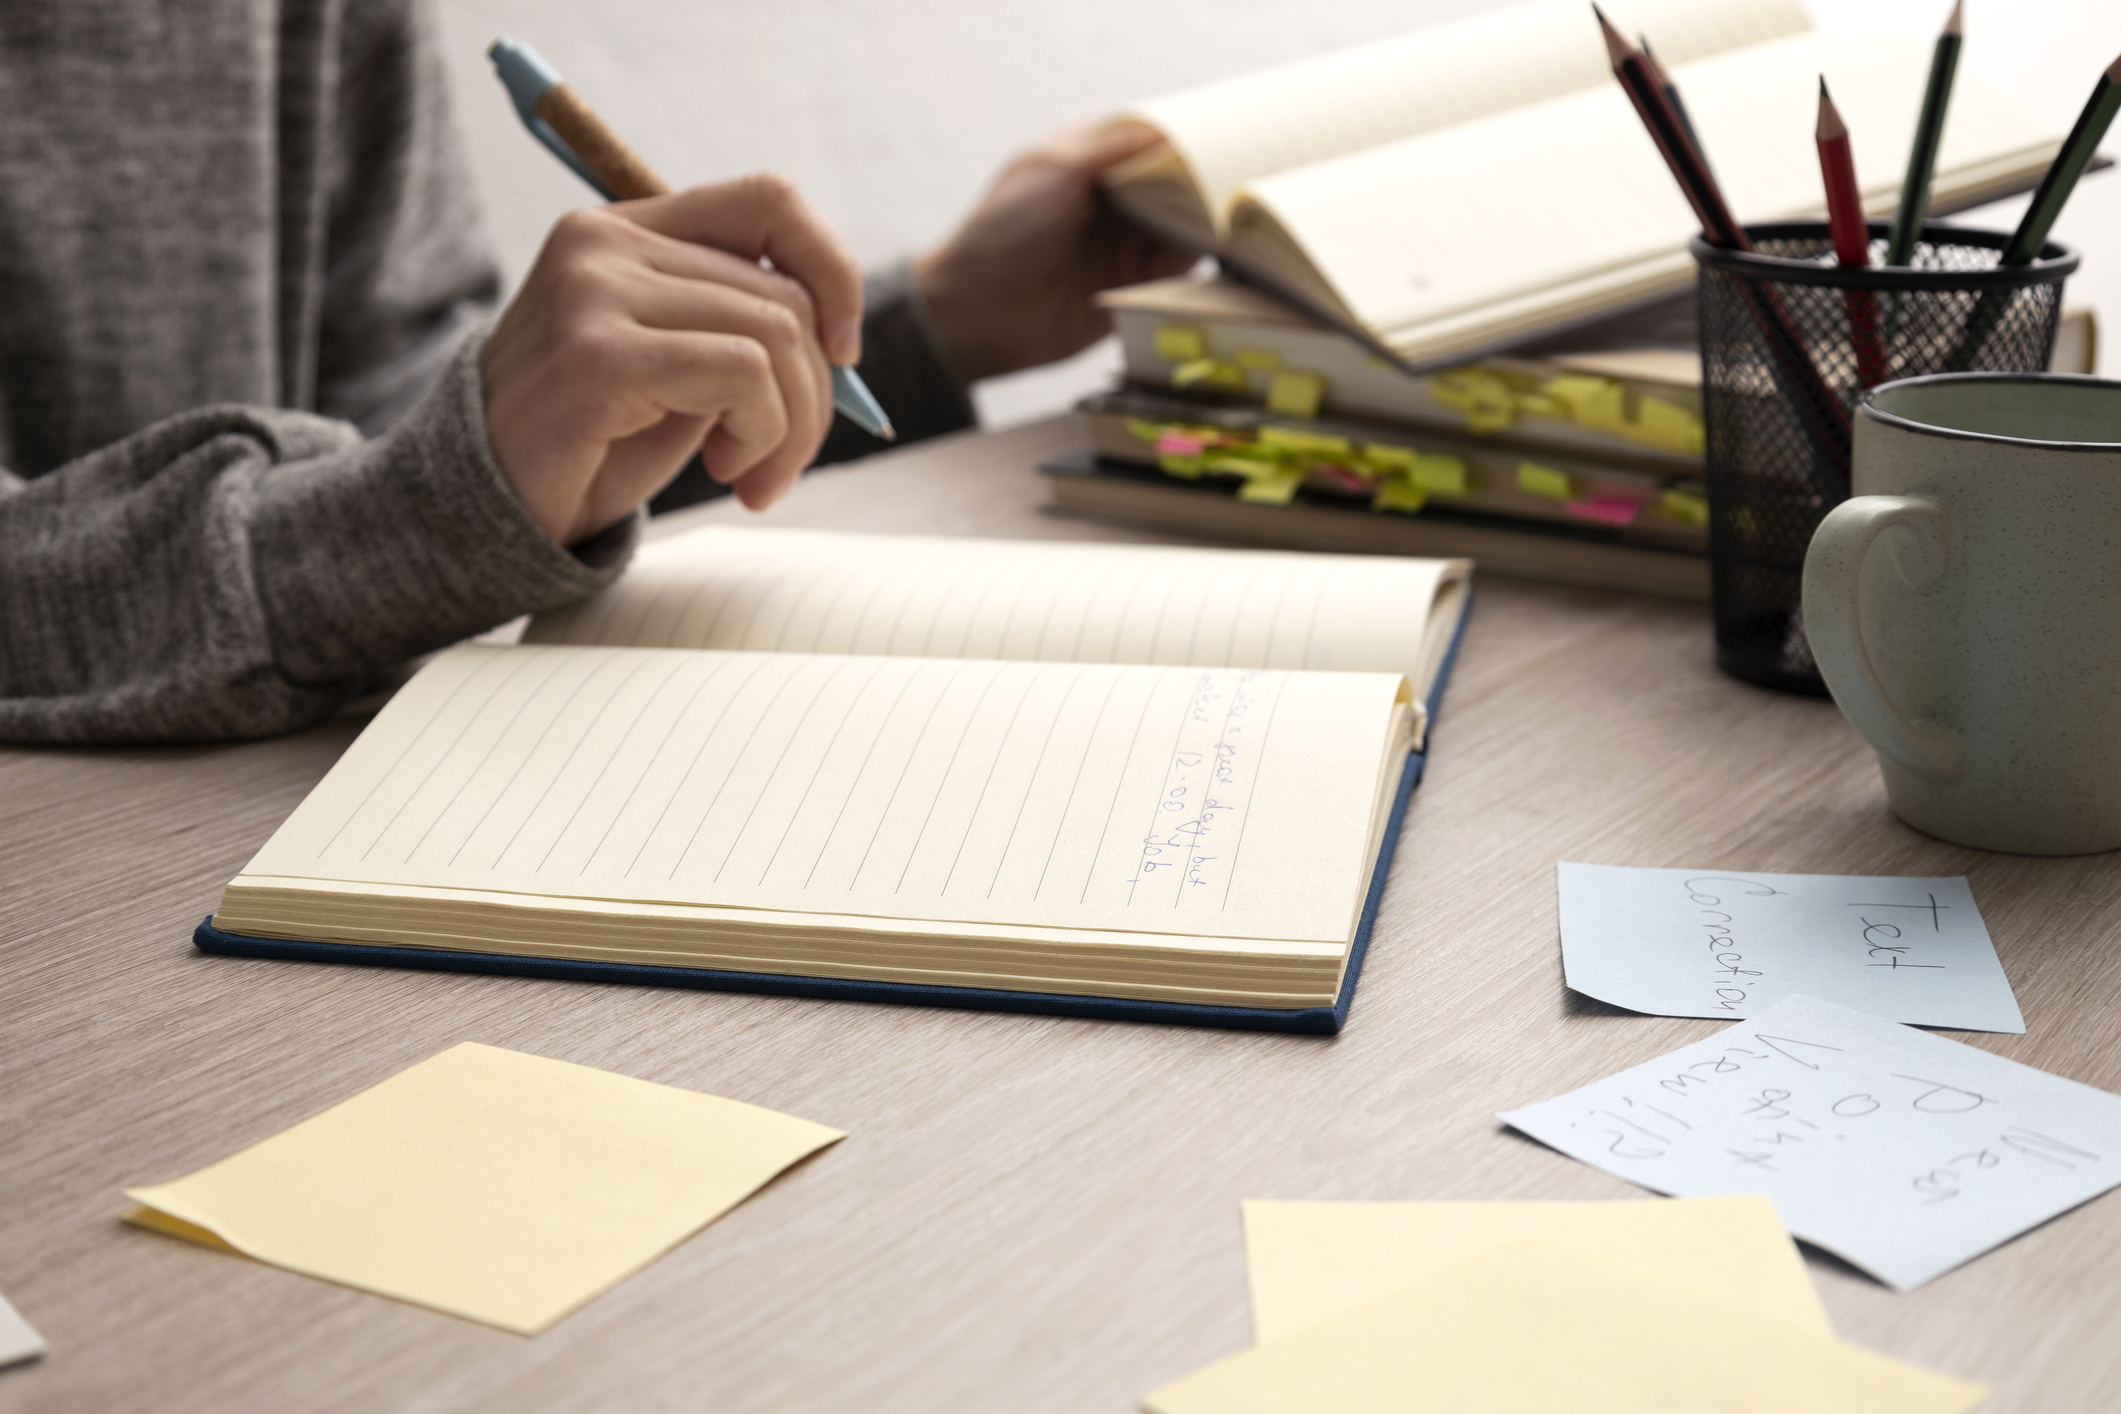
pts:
[1031, 1214]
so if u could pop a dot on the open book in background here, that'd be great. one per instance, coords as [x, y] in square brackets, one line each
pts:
[1036, 776]
[1468, 187]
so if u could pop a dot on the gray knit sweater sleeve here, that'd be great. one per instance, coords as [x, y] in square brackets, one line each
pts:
[238, 571]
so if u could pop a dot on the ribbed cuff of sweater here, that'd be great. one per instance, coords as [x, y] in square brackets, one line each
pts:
[410, 543]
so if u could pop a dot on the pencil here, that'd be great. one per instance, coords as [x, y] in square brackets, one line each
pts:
[1819, 412]
[1852, 238]
[558, 117]
[2069, 165]
[1670, 89]
[1914, 206]
[2048, 200]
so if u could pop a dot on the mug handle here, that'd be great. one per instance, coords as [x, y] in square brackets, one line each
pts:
[1833, 577]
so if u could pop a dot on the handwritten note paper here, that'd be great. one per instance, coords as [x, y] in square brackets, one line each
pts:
[490, 1184]
[1722, 944]
[1902, 1152]
[1537, 1325]
[18, 1341]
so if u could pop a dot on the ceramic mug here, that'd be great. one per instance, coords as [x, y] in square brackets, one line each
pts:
[1964, 606]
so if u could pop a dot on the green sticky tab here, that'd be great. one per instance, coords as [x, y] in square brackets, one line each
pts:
[1171, 464]
[1277, 488]
[1147, 431]
[1684, 505]
[1668, 426]
[1304, 443]
[1399, 494]
[1180, 343]
[1296, 394]
[1386, 457]
[1231, 464]
[1545, 481]
[1489, 404]
[1444, 475]
[1260, 359]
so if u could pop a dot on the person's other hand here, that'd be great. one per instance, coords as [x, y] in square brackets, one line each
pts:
[648, 330]
[1012, 288]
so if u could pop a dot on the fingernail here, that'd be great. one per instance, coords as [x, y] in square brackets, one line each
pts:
[847, 343]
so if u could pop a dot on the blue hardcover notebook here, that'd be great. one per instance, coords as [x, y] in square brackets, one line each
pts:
[368, 787]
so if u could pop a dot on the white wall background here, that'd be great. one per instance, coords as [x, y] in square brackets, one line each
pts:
[893, 114]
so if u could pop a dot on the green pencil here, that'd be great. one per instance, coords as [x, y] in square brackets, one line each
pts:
[1922, 155]
[2061, 179]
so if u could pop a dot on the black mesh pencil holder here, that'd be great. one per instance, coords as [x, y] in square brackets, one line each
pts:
[1788, 339]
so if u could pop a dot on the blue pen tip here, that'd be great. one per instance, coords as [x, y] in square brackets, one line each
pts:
[523, 72]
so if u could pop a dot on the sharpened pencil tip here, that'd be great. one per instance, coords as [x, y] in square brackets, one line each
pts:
[1617, 47]
[1830, 127]
[1957, 23]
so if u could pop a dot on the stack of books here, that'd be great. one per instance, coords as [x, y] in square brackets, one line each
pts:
[1453, 313]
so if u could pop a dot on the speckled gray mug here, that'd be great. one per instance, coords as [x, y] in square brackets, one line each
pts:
[1964, 606]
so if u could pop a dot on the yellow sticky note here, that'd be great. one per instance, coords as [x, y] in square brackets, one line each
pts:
[1263, 360]
[1386, 457]
[1296, 394]
[1397, 493]
[1537, 1325]
[1544, 481]
[1684, 505]
[1180, 343]
[1310, 1261]
[1668, 425]
[490, 1184]
[1274, 488]
[1600, 403]
[1308, 443]
[1444, 475]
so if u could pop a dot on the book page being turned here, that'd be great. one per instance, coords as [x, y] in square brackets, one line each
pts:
[1207, 802]
[1235, 130]
[799, 591]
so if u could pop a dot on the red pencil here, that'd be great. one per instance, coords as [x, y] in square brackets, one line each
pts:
[1852, 238]
[1822, 415]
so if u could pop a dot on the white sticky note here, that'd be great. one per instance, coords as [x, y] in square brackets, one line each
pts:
[1902, 1152]
[1540, 1326]
[18, 1340]
[502, 1187]
[1726, 945]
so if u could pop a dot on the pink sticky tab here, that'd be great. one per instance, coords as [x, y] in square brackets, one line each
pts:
[1339, 476]
[1606, 510]
[1172, 444]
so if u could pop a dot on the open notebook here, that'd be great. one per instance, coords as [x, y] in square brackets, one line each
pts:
[1094, 779]
[1463, 188]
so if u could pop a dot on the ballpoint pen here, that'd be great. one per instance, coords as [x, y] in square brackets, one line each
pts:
[558, 118]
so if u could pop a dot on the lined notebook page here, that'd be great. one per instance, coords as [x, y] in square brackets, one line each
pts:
[1236, 130]
[1419, 231]
[918, 596]
[1192, 801]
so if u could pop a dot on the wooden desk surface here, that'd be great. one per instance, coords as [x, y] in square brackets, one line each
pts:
[1032, 1214]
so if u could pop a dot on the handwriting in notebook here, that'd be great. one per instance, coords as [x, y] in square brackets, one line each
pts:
[960, 788]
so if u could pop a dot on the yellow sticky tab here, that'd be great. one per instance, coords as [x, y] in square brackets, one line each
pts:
[1544, 481]
[1230, 464]
[1147, 431]
[1399, 494]
[1296, 394]
[1444, 475]
[1598, 403]
[1489, 404]
[1311, 443]
[1669, 426]
[1684, 505]
[1386, 457]
[1276, 488]
[1181, 343]
[1261, 359]
[1173, 464]
[501, 1187]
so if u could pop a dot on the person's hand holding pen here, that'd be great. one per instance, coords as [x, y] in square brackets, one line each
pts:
[648, 329]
